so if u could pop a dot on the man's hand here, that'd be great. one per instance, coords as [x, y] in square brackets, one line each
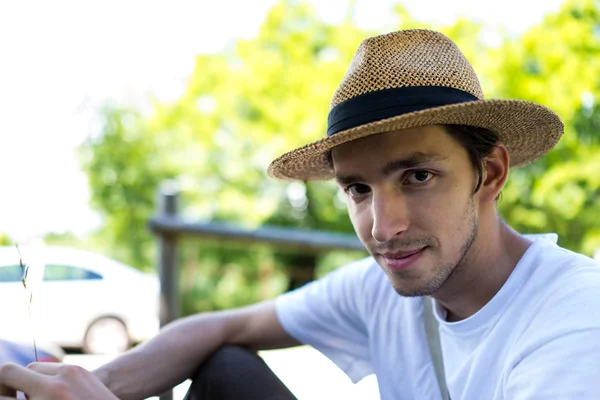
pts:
[51, 381]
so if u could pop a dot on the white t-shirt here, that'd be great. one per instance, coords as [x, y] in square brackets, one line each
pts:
[538, 338]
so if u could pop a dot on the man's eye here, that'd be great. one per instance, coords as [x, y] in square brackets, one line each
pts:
[418, 177]
[357, 190]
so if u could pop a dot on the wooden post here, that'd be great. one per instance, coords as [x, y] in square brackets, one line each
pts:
[168, 199]
[301, 269]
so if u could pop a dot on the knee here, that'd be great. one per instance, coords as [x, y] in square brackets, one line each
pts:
[230, 356]
[226, 365]
[234, 372]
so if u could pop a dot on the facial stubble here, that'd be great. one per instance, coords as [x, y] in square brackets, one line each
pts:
[446, 270]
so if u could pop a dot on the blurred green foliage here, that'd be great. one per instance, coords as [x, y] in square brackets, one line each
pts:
[262, 96]
[555, 63]
[5, 240]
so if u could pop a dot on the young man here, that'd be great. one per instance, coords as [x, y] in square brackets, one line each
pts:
[422, 158]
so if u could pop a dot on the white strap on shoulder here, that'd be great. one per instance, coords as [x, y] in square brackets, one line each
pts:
[435, 347]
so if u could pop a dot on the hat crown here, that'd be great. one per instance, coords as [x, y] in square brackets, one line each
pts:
[414, 57]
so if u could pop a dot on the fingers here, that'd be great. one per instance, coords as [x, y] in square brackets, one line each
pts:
[14, 377]
[58, 369]
[46, 368]
[5, 391]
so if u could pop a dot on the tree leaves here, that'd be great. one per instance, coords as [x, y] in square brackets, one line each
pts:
[265, 95]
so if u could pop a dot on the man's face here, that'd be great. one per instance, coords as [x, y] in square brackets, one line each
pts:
[410, 199]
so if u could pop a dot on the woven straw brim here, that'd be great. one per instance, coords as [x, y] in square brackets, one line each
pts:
[528, 130]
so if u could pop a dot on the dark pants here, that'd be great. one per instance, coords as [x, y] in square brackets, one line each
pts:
[236, 373]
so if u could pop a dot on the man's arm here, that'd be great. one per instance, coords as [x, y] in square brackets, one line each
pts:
[179, 349]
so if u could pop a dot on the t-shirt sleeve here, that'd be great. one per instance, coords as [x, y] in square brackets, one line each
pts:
[330, 315]
[560, 356]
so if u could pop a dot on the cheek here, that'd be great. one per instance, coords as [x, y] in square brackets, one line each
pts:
[361, 220]
[427, 210]
[450, 220]
[435, 213]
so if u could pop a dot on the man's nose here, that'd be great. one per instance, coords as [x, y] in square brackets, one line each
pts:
[390, 216]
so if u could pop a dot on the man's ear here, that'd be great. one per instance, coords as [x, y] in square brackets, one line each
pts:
[495, 173]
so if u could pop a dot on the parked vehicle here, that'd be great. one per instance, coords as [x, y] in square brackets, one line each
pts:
[78, 300]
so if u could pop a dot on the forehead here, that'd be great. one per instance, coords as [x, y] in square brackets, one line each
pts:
[385, 147]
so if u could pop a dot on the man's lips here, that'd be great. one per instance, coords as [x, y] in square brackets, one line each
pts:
[399, 260]
[395, 255]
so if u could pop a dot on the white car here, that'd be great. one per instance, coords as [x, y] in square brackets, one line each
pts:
[76, 299]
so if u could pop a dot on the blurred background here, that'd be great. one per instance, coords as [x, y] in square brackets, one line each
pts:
[103, 101]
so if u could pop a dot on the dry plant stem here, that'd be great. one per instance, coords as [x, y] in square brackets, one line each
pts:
[24, 270]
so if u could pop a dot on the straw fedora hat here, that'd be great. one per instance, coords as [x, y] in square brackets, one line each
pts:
[415, 78]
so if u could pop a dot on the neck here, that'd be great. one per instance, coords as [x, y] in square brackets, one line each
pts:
[483, 271]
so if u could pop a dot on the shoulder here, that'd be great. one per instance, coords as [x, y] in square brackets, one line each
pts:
[553, 264]
[556, 350]
[576, 288]
[351, 288]
[350, 278]
[565, 292]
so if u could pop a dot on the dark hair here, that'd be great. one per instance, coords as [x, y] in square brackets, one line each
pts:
[478, 142]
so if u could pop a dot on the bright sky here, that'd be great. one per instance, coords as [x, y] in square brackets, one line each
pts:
[62, 59]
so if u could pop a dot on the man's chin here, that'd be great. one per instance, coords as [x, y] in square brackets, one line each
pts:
[413, 288]
[414, 291]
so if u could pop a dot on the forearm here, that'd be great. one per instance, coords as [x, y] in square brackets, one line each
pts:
[166, 360]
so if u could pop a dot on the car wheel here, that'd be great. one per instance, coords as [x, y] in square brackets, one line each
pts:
[106, 336]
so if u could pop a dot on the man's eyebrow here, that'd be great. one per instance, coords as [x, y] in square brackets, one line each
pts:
[344, 180]
[412, 161]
